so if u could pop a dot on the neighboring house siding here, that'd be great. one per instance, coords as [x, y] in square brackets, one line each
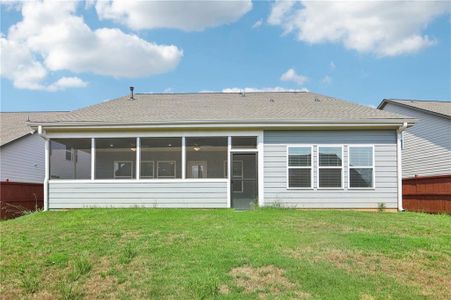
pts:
[23, 160]
[275, 170]
[427, 145]
[138, 194]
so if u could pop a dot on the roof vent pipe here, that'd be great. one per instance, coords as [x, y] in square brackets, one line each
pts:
[132, 88]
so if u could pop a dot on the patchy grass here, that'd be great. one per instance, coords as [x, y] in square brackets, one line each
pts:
[224, 254]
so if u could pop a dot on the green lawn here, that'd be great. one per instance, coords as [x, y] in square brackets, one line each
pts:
[186, 254]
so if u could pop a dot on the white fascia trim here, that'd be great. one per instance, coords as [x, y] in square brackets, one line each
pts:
[143, 134]
[226, 126]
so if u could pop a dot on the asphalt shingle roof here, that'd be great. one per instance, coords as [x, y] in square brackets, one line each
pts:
[13, 125]
[436, 107]
[221, 108]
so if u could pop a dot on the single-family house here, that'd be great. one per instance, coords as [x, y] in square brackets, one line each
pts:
[220, 150]
[427, 145]
[22, 161]
[426, 153]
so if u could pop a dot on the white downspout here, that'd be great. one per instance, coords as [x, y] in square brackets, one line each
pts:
[399, 162]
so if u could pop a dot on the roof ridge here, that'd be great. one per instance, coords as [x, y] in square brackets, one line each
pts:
[221, 93]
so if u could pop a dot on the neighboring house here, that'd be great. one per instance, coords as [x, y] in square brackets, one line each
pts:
[22, 163]
[427, 145]
[21, 148]
[222, 150]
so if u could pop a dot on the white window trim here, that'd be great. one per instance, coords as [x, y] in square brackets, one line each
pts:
[167, 177]
[153, 169]
[288, 167]
[373, 167]
[318, 167]
[123, 177]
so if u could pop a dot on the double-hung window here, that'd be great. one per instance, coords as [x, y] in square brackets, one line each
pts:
[299, 167]
[361, 167]
[330, 166]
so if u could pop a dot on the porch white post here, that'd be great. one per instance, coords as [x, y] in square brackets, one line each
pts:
[46, 176]
[93, 158]
[399, 167]
[229, 176]
[138, 158]
[261, 189]
[183, 157]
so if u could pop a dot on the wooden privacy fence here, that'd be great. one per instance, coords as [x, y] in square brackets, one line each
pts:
[427, 194]
[17, 197]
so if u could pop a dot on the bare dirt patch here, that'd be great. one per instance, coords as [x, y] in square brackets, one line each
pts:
[266, 280]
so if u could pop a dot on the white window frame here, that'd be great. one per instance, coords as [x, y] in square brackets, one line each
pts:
[123, 177]
[373, 167]
[153, 169]
[167, 161]
[318, 167]
[288, 167]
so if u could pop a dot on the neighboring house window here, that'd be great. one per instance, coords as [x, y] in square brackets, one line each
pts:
[299, 167]
[330, 166]
[115, 158]
[361, 166]
[123, 170]
[211, 151]
[166, 152]
[79, 164]
[147, 169]
[166, 169]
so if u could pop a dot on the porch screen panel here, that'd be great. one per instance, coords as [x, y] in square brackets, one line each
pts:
[70, 158]
[206, 157]
[161, 158]
[115, 158]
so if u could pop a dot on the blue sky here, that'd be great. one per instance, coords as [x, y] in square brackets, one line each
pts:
[251, 46]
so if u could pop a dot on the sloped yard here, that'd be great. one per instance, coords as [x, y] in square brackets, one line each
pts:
[266, 253]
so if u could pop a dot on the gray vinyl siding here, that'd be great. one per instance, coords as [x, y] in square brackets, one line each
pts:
[22, 160]
[427, 145]
[275, 170]
[140, 194]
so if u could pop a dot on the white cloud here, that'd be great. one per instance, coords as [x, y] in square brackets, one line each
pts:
[184, 15]
[257, 24]
[67, 82]
[50, 37]
[267, 89]
[383, 28]
[291, 75]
